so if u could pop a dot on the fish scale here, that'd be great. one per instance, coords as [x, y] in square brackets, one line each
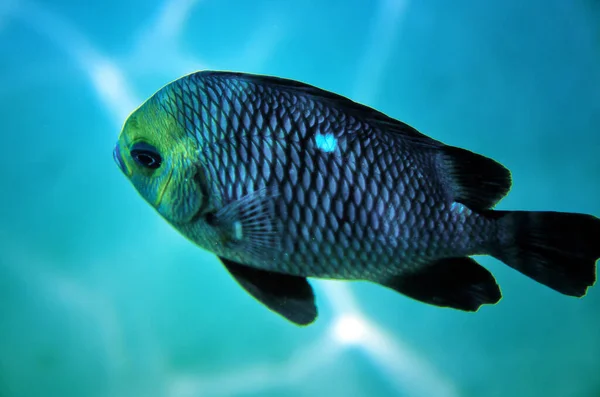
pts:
[369, 185]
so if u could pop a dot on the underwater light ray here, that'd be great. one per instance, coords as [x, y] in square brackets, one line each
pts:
[382, 36]
[168, 23]
[164, 32]
[111, 87]
[173, 16]
[70, 294]
[404, 368]
[338, 296]
[259, 376]
[107, 79]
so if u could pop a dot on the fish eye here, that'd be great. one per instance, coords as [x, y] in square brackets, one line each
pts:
[146, 155]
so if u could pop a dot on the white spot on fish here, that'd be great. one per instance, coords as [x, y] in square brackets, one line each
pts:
[238, 233]
[458, 208]
[326, 143]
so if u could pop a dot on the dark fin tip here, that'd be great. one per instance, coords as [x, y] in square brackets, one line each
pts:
[556, 249]
[477, 181]
[459, 283]
[292, 297]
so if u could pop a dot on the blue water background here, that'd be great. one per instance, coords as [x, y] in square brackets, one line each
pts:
[100, 297]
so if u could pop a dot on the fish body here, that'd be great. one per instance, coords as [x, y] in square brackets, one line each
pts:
[284, 181]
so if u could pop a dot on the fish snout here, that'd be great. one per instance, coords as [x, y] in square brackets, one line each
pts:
[119, 159]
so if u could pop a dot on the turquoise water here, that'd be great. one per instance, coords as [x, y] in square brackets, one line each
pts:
[100, 297]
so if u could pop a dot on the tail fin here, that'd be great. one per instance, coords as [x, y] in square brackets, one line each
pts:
[556, 249]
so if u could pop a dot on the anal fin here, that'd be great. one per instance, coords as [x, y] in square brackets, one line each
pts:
[459, 283]
[290, 296]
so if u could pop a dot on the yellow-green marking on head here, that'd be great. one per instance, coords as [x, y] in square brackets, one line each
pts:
[158, 157]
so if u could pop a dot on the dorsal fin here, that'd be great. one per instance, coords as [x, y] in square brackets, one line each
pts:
[476, 181]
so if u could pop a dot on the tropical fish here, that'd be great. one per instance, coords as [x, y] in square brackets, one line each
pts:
[283, 181]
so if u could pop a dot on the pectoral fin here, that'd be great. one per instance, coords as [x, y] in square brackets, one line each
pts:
[290, 296]
[248, 224]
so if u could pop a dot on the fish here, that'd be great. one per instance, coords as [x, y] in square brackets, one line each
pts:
[284, 181]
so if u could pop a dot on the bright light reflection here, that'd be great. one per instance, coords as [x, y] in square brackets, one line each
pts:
[349, 329]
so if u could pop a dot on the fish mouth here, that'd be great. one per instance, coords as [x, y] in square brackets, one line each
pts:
[119, 160]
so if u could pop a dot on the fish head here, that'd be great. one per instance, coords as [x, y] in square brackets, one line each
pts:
[160, 159]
